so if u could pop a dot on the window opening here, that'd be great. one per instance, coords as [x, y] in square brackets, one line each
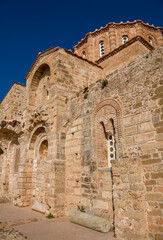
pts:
[43, 150]
[101, 45]
[124, 39]
[109, 135]
[150, 40]
[84, 54]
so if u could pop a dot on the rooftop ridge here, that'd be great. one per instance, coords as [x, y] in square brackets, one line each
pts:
[84, 40]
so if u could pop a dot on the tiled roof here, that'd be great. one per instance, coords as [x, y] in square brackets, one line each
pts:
[116, 25]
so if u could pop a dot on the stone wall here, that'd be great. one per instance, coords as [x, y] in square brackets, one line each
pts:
[137, 169]
[79, 140]
[122, 57]
[11, 107]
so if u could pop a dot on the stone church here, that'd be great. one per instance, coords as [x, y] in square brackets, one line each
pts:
[87, 131]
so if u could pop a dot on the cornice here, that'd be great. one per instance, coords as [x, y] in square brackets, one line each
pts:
[128, 43]
[115, 25]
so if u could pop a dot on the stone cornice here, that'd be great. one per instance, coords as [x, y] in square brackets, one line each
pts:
[115, 25]
[128, 43]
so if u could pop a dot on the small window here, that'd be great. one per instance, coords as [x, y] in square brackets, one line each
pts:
[84, 54]
[101, 45]
[124, 39]
[150, 40]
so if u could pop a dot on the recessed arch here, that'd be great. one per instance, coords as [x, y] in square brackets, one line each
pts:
[41, 127]
[42, 75]
[107, 130]
[43, 148]
[38, 152]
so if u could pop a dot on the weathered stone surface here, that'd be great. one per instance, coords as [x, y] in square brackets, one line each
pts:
[40, 207]
[90, 221]
[90, 134]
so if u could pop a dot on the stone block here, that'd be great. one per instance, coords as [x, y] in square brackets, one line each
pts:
[89, 221]
[131, 130]
[39, 207]
[100, 204]
[144, 137]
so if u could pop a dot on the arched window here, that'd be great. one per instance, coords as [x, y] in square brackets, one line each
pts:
[43, 150]
[84, 55]
[101, 46]
[106, 133]
[40, 85]
[150, 40]
[124, 39]
[106, 143]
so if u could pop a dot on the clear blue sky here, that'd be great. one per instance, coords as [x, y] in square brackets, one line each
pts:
[29, 27]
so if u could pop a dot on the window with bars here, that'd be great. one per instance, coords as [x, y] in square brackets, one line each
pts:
[101, 46]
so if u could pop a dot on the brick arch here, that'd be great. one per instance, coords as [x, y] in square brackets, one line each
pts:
[114, 111]
[35, 82]
[107, 114]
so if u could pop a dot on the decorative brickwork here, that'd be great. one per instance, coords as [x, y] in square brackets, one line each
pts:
[106, 117]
